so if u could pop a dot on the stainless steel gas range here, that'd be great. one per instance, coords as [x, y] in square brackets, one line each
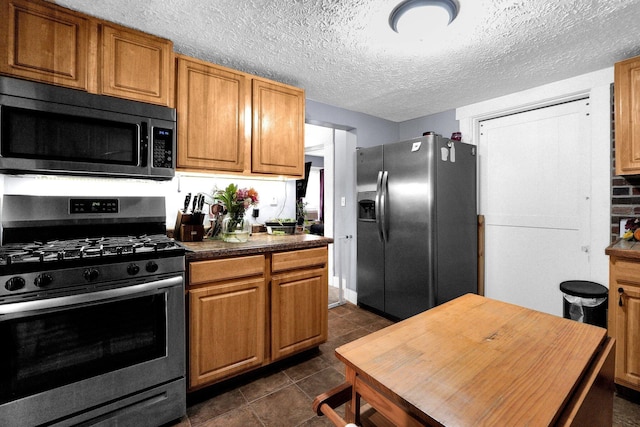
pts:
[91, 313]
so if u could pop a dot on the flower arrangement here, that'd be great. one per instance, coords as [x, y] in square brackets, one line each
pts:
[632, 228]
[236, 201]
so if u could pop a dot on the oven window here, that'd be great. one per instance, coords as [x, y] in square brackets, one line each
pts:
[42, 352]
[51, 136]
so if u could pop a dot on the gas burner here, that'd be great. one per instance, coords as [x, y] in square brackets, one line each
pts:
[92, 241]
[49, 232]
[86, 248]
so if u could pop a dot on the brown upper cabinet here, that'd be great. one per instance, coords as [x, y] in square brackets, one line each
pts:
[135, 65]
[47, 43]
[43, 42]
[278, 129]
[230, 121]
[213, 128]
[627, 119]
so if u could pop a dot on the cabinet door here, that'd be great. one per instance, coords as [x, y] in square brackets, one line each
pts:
[627, 119]
[212, 103]
[299, 309]
[628, 335]
[43, 42]
[135, 65]
[278, 129]
[226, 330]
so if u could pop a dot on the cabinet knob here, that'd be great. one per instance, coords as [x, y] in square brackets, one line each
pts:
[620, 292]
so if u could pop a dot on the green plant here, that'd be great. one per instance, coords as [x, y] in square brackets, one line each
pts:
[236, 201]
[301, 211]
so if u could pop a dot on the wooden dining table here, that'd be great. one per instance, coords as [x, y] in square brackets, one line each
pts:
[475, 361]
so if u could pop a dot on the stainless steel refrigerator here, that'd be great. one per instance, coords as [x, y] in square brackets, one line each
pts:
[417, 224]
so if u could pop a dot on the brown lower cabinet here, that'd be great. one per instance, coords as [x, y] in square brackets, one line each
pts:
[248, 311]
[624, 319]
[299, 306]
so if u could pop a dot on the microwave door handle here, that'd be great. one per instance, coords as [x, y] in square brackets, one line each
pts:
[143, 138]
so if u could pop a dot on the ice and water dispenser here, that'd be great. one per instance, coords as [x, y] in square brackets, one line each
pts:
[367, 206]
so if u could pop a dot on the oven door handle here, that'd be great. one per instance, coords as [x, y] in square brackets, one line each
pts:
[87, 298]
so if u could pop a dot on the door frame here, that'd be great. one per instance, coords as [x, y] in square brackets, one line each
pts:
[535, 187]
[340, 219]
[597, 87]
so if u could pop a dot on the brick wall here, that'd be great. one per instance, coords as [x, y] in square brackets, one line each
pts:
[625, 191]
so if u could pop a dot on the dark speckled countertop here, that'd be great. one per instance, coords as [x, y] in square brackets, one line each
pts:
[258, 243]
[624, 249]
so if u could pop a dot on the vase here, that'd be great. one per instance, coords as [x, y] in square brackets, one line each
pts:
[235, 230]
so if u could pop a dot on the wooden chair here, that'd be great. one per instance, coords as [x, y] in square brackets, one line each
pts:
[325, 404]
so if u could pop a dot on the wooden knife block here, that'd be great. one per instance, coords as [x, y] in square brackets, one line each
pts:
[189, 227]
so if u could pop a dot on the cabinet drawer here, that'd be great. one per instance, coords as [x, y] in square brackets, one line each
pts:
[290, 260]
[225, 269]
[626, 272]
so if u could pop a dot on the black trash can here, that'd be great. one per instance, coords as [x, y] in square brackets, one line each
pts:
[585, 302]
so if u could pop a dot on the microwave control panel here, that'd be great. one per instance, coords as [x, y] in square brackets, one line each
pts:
[162, 145]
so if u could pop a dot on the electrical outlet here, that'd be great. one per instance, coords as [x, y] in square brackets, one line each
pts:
[343, 201]
[274, 201]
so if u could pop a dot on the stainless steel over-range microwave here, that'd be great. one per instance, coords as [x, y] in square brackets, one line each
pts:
[55, 130]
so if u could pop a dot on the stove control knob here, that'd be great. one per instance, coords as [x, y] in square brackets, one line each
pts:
[133, 269]
[43, 280]
[151, 267]
[14, 284]
[91, 274]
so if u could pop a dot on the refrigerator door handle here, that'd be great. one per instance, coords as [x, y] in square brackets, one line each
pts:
[383, 206]
[378, 205]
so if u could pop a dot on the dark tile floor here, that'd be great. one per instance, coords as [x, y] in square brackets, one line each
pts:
[282, 395]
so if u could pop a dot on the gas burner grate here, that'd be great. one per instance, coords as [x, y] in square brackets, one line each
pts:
[86, 248]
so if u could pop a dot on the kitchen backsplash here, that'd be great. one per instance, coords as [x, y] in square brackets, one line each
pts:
[277, 197]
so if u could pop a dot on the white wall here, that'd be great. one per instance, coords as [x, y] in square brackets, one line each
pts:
[370, 130]
[443, 123]
[596, 85]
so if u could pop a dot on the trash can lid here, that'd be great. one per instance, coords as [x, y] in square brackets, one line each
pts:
[583, 288]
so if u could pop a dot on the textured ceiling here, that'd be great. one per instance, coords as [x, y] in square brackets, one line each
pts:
[343, 53]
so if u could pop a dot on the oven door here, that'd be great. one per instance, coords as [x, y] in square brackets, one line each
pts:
[70, 359]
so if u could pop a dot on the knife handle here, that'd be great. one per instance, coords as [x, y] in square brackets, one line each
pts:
[187, 199]
[195, 204]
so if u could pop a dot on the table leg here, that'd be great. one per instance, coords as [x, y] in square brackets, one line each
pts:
[352, 411]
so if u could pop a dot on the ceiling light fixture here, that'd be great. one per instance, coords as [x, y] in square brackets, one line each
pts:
[424, 14]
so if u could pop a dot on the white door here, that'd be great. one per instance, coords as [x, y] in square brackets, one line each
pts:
[535, 195]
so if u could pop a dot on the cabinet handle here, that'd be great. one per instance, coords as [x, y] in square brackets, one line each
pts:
[620, 292]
